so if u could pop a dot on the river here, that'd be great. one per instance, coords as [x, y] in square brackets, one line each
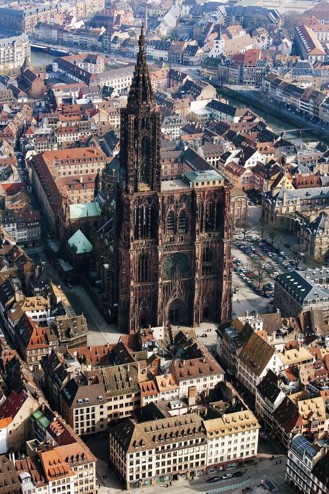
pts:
[277, 124]
[41, 58]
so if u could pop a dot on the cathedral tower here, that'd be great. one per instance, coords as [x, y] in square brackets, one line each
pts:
[172, 245]
[140, 132]
[138, 202]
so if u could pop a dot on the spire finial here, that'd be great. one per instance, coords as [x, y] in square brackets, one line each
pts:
[142, 39]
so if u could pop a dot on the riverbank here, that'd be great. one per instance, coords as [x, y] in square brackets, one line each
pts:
[256, 101]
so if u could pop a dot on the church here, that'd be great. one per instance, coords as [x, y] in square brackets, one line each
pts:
[169, 242]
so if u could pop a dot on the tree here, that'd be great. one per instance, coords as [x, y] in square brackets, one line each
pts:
[261, 227]
[259, 271]
[292, 20]
[244, 226]
[273, 234]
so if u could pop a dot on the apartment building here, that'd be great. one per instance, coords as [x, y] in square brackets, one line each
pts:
[23, 225]
[172, 126]
[268, 397]
[307, 465]
[13, 52]
[231, 439]
[118, 79]
[224, 111]
[255, 359]
[53, 437]
[313, 414]
[286, 421]
[202, 373]
[33, 341]
[52, 165]
[298, 291]
[92, 399]
[308, 44]
[159, 450]
[15, 414]
[231, 337]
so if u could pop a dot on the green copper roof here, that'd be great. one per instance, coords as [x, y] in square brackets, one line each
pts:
[80, 243]
[204, 176]
[79, 211]
[40, 417]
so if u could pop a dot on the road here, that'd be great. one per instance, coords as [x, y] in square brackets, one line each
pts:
[99, 331]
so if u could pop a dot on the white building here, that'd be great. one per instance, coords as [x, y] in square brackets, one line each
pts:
[158, 450]
[13, 52]
[172, 126]
[199, 373]
[255, 358]
[231, 439]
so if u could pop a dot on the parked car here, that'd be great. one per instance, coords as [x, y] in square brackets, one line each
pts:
[213, 479]
[237, 474]
[227, 476]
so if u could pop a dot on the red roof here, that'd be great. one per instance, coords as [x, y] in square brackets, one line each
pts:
[12, 405]
[13, 188]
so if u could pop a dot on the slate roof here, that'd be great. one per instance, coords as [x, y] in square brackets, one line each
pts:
[195, 161]
[287, 415]
[303, 194]
[268, 387]
[7, 292]
[222, 107]
[300, 285]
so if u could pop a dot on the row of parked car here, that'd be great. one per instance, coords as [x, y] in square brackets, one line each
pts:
[250, 278]
[227, 476]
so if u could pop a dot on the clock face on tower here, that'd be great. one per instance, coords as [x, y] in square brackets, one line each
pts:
[177, 263]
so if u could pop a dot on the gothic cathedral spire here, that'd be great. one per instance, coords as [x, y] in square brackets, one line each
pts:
[140, 164]
[141, 92]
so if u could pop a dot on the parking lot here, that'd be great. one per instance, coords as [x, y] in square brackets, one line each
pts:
[256, 264]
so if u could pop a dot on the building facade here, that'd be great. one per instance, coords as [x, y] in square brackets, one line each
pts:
[172, 239]
[13, 52]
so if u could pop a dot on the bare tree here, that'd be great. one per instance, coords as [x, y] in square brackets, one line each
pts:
[261, 227]
[244, 226]
[273, 234]
[259, 271]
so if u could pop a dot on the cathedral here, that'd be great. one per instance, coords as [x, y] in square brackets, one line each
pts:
[171, 240]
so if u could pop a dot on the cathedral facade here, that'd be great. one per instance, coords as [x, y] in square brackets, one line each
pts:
[171, 239]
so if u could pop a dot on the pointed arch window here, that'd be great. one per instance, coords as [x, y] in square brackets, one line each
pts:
[170, 227]
[182, 222]
[143, 269]
[144, 157]
[142, 222]
[210, 217]
[207, 259]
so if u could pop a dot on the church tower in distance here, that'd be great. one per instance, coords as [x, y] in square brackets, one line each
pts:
[173, 238]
